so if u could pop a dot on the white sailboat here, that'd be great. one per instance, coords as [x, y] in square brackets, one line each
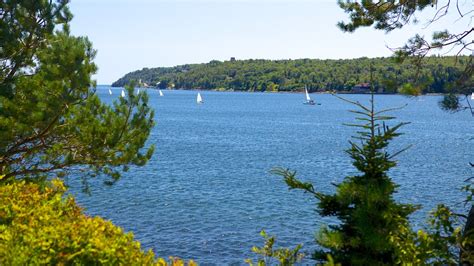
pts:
[110, 91]
[161, 93]
[308, 99]
[472, 96]
[138, 90]
[123, 93]
[199, 98]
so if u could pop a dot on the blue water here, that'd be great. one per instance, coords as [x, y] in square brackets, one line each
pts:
[207, 191]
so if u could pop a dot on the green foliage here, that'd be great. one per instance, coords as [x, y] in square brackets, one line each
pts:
[451, 103]
[389, 15]
[24, 26]
[462, 89]
[440, 244]
[383, 15]
[467, 241]
[269, 254]
[409, 89]
[364, 203]
[51, 121]
[294, 75]
[39, 225]
[469, 189]
[373, 228]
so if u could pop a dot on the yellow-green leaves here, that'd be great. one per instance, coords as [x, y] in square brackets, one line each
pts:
[46, 227]
[410, 89]
[272, 256]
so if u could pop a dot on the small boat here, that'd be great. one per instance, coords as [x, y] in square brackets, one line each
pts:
[138, 90]
[123, 93]
[110, 91]
[199, 99]
[309, 101]
[472, 96]
[161, 93]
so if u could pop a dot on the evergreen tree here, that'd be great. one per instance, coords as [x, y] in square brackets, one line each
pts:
[51, 120]
[363, 203]
[390, 15]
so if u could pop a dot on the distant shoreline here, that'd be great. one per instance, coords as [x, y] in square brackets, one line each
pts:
[343, 76]
[290, 92]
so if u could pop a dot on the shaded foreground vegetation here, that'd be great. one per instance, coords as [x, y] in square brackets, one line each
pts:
[292, 75]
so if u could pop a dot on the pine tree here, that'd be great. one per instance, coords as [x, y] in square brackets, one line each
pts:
[51, 120]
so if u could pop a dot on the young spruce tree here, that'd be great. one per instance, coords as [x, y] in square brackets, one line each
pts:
[363, 203]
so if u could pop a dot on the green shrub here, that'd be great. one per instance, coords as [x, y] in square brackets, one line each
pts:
[269, 255]
[39, 225]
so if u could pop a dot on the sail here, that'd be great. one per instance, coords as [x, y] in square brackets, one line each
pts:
[307, 94]
[110, 91]
[138, 90]
[123, 93]
[161, 93]
[199, 98]
[472, 96]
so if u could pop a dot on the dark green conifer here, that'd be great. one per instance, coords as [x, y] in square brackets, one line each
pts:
[363, 204]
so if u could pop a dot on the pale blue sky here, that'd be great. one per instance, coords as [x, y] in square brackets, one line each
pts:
[130, 35]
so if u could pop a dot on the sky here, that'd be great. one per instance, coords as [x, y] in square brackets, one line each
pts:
[130, 35]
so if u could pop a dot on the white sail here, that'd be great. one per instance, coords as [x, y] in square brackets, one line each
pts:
[307, 94]
[472, 96]
[110, 91]
[123, 93]
[138, 90]
[199, 98]
[161, 93]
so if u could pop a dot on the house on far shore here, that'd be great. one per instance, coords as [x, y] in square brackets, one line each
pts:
[232, 59]
[361, 88]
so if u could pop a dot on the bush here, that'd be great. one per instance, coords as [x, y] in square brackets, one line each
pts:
[39, 225]
[268, 255]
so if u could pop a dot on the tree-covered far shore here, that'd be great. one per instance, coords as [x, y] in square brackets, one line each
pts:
[292, 75]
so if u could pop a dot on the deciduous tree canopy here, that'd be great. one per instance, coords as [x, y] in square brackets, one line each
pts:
[293, 75]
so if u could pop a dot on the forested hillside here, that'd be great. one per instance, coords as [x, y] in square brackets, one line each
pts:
[292, 75]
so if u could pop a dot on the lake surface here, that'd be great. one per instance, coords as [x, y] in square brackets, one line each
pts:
[207, 192]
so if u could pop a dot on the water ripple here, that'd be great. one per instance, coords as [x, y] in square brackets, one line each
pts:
[207, 191]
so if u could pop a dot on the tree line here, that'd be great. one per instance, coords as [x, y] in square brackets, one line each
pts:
[388, 75]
